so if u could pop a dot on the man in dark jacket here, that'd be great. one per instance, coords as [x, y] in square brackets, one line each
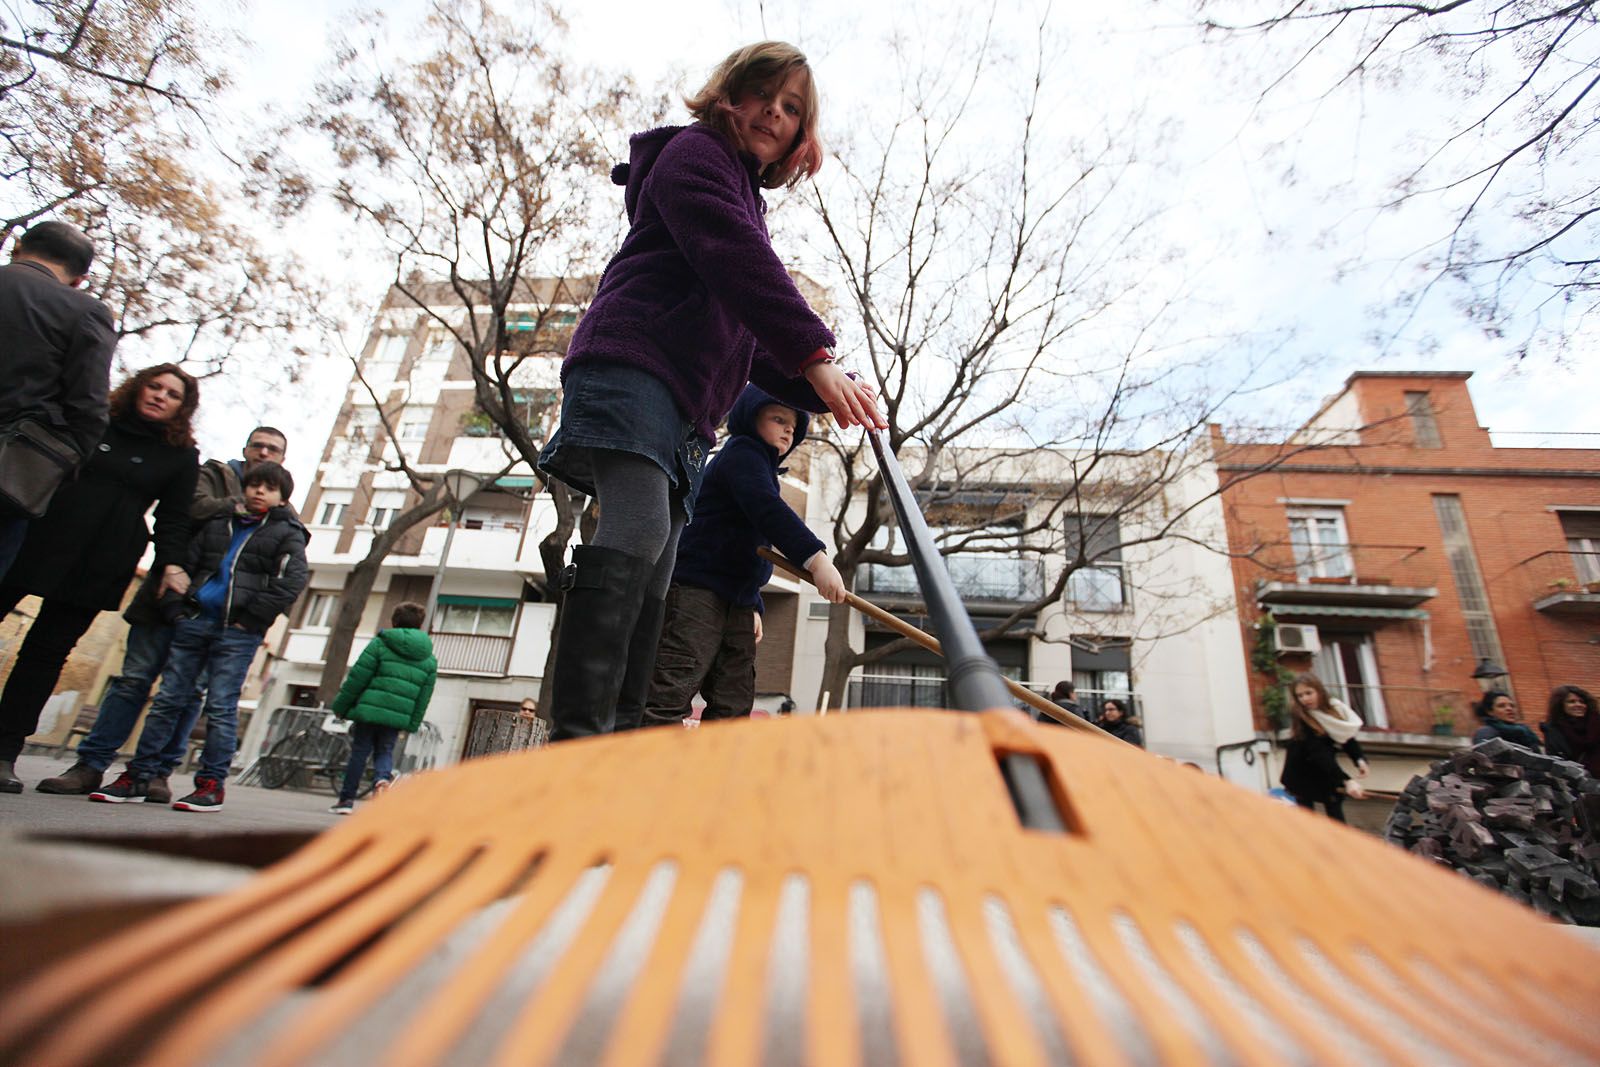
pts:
[55, 349]
[386, 692]
[713, 608]
[219, 491]
[247, 570]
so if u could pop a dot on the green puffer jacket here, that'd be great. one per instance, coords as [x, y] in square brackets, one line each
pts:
[391, 681]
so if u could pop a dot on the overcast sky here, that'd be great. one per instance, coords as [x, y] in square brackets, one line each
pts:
[1265, 254]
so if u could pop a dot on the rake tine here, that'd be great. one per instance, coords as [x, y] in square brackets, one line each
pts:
[1083, 1028]
[80, 975]
[379, 970]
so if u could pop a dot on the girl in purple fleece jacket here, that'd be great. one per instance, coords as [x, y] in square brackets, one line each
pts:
[694, 305]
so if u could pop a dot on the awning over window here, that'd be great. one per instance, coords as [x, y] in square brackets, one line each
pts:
[479, 601]
[1348, 611]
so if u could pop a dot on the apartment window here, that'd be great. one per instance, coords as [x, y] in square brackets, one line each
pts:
[362, 424]
[332, 508]
[320, 610]
[483, 616]
[1582, 530]
[1470, 590]
[990, 569]
[1424, 427]
[1320, 542]
[386, 504]
[391, 348]
[414, 427]
[441, 346]
[1098, 583]
[1102, 669]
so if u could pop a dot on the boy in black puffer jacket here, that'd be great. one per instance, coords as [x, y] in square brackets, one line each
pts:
[247, 570]
[713, 608]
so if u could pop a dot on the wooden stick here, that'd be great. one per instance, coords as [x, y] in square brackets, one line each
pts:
[931, 643]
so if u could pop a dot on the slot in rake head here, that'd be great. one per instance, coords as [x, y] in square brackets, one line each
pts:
[846, 890]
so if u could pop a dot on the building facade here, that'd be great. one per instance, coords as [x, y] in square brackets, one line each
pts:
[1392, 549]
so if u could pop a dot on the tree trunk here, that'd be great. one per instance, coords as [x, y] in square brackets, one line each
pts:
[358, 587]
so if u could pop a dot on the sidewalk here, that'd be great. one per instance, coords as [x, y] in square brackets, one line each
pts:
[248, 809]
[67, 855]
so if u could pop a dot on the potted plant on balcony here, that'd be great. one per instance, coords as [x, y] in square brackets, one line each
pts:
[1444, 719]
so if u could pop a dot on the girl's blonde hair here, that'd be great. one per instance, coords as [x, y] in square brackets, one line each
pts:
[767, 63]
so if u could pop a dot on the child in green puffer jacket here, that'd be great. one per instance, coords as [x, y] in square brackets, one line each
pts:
[386, 691]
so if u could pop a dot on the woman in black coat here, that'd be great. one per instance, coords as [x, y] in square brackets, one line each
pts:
[1320, 728]
[81, 557]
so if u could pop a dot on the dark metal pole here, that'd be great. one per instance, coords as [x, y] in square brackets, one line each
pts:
[976, 683]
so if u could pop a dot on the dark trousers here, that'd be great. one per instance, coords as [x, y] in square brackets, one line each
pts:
[707, 646]
[13, 531]
[1334, 804]
[37, 668]
[368, 739]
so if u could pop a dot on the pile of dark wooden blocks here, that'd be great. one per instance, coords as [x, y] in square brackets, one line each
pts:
[1524, 823]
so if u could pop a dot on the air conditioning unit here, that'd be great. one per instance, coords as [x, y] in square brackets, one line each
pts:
[1296, 638]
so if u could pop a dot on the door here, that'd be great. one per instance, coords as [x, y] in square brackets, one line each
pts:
[1348, 666]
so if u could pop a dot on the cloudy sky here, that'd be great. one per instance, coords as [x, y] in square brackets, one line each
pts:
[1273, 205]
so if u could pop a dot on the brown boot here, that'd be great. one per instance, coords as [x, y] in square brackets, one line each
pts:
[79, 779]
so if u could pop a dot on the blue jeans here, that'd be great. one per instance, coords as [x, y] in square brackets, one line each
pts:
[368, 739]
[142, 663]
[197, 644]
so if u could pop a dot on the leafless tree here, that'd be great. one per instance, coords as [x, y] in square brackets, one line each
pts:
[482, 165]
[1507, 160]
[111, 117]
[1009, 290]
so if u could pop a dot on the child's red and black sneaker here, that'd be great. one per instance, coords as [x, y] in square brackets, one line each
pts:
[207, 796]
[121, 791]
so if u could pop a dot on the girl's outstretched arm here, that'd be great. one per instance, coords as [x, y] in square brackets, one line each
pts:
[850, 399]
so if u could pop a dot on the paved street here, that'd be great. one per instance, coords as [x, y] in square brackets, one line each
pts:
[248, 809]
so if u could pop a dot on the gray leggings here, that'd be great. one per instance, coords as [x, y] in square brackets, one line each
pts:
[637, 513]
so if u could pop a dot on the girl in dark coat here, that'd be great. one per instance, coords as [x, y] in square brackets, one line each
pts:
[1499, 712]
[1320, 726]
[693, 306]
[1572, 727]
[82, 555]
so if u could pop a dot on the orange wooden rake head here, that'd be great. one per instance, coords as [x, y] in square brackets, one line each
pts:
[854, 889]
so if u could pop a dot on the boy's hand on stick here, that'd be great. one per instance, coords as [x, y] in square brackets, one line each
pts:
[826, 577]
[851, 400]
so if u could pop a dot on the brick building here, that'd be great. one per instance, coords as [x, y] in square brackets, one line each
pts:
[1397, 552]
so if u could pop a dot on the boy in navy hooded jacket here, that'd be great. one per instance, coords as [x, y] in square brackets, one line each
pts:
[713, 609]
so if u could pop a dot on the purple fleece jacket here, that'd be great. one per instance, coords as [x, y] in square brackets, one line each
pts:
[696, 296]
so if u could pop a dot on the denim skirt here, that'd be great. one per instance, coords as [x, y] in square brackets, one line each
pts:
[624, 409]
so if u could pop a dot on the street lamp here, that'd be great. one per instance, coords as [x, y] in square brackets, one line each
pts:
[458, 485]
[1487, 673]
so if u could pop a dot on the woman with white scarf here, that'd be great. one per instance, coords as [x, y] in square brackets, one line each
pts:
[1319, 726]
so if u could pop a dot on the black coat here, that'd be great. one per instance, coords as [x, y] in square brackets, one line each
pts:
[85, 549]
[56, 355]
[268, 574]
[1311, 769]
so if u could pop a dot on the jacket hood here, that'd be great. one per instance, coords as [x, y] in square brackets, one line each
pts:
[742, 419]
[407, 643]
[643, 148]
[287, 513]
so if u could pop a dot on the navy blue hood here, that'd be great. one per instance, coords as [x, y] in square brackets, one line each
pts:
[742, 419]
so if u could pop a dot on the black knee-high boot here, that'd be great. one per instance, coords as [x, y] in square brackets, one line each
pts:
[604, 591]
[641, 663]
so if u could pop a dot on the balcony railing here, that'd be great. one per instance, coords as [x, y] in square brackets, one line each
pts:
[472, 653]
[1562, 582]
[900, 691]
[1407, 709]
[976, 578]
[1350, 574]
